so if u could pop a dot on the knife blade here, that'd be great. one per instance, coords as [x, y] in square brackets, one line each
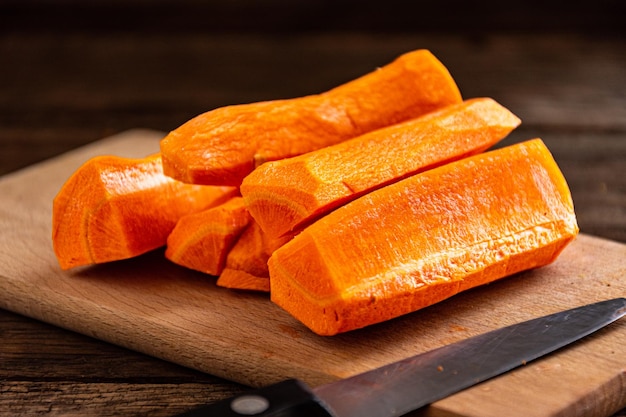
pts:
[401, 387]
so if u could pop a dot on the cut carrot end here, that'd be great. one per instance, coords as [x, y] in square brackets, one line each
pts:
[201, 241]
[252, 250]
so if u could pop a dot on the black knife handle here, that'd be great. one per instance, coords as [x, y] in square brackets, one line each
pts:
[290, 398]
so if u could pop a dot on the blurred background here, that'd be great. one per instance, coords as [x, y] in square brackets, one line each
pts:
[73, 72]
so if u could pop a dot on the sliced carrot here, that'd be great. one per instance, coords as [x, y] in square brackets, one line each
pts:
[115, 208]
[284, 195]
[246, 263]
[224, 145]
[426, 238]
[241, 280]
[201, 241]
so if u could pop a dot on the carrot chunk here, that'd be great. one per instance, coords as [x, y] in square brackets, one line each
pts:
[201, 241]
[426, 238]
[246, 263]
[115, 208]
[224, 145]
[284, 195]
[237, 279]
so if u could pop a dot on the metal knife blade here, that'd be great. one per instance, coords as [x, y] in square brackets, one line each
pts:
[401, 387]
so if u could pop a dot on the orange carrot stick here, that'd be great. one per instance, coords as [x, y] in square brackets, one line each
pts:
[224, 145]
[201, 241]
[287, 194]
[246, 263]
[115, 208]
[426, 238]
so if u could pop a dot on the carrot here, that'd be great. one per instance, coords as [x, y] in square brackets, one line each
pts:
[224, 145]
[246, 263]
[287, 194]
[115, 208]
[426, 238]
[237, 279]
[201, 241]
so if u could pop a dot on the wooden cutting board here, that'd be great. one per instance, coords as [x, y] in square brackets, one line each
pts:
[152, 306]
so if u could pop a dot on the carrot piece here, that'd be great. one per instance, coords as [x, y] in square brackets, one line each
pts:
[201, 241]
[115, 208]
[224, 145]
[426, 238]
[241, 280]
[287, 194]
[246, 263]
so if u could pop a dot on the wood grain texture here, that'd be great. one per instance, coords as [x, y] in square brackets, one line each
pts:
[48, 371]
[157, 308]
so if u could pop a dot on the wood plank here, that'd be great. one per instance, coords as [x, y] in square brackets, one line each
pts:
[555, 81]
[68, 398]
[283, 17]
[152, 306]
[48, 370]
[591, 163]
[71, 356]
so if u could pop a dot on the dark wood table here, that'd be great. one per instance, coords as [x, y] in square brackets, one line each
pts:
[72, 74]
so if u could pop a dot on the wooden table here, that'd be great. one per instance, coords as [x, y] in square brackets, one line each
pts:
[66, 84]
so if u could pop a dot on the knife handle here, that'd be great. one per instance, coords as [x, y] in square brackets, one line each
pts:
[290, 398]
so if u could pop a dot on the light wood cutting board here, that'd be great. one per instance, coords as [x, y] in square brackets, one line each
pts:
[152, 306]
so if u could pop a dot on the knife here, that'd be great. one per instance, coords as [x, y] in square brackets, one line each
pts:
[404, 386]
